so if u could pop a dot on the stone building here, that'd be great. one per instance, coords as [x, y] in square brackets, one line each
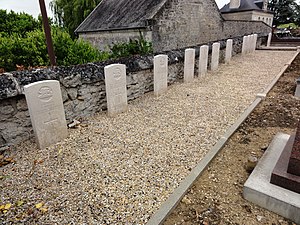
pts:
[168, 24]
[256, 10]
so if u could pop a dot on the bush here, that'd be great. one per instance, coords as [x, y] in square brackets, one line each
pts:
[27, 51]
[31, 50]
[70, 52]
[17, 23]
[23, 43]
[134, 47]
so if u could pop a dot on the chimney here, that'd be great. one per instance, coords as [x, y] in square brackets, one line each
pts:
[234, 4]
[265, 5]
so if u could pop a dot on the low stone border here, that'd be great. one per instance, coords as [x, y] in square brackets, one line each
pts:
[167, 207]
[275, 48]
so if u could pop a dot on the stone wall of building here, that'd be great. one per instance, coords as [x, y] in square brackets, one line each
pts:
[180, 24]
[250, 15]
[83, 88]
[103, 39]
[234, 28]
[184, 23]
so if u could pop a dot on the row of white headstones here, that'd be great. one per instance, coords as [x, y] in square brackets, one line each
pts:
[45, 103]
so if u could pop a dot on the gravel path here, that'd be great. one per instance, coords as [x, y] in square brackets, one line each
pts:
[119, 170]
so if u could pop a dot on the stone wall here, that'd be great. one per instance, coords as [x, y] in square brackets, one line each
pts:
[103, 39]
[174, 28]
[184, 23]
[234, 28]
[83, 88]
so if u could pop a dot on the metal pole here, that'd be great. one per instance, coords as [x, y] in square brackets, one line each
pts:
[47, 33]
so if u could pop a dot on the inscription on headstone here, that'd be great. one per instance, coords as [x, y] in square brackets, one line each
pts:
[228, 53]
[160, 74]
[189, 65]
[116, 91]
[215, 56]
[203, 60]
[46, 111]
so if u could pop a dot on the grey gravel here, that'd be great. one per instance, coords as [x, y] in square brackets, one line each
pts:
[120, 170]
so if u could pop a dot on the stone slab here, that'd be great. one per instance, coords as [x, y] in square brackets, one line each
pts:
[255, 41]
[248, 45]
[260, 191]
[160, 74]
[244, 45]
[215, 55]
[294, 162]
[46, 111]
[252, 43]
[269, 39]
[189, 64]
[203, 60]
[116, 91]
[280, 175]
[228, 52]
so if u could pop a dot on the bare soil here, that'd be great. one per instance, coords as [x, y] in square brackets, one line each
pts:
[216, 198]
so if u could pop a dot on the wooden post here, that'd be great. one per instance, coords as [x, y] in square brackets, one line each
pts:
[47, 31]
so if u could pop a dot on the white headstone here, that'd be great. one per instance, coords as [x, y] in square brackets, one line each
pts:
[46, 111]
[244, 46]
[116, 91]
[203, 60]
[255, 41]
[252, 43]
[189, 64]
[269, 40]
[215, 56]
[228, 53]
[248, 45]
[160, 74]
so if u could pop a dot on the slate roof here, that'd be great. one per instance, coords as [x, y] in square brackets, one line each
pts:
[120, 14]
[246, 5]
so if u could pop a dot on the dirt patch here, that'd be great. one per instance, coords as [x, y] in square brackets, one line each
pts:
[216, 198]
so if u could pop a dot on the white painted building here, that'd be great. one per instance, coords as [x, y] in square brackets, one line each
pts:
[250, 10]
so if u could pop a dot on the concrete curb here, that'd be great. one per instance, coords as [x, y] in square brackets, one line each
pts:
[258, 189]
[167, 207]
[278, 48]
[274, 81]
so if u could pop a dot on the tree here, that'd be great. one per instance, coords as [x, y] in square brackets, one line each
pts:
[17, 23]
[71, 13]
[286, 11]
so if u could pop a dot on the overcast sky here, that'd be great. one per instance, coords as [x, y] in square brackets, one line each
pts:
[32, 6]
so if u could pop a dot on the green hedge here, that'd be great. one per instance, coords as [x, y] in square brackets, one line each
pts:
[31, 50]
[22, 42]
